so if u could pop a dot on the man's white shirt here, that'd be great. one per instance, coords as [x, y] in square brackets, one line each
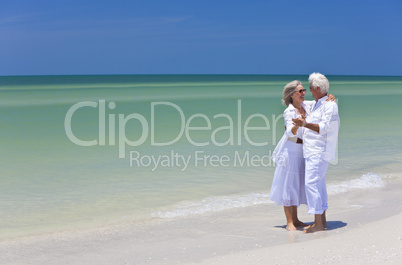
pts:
[325, 114]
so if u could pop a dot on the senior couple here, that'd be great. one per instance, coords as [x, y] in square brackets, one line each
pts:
[303, 153]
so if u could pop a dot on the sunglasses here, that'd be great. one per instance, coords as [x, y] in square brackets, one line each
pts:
[301, 90]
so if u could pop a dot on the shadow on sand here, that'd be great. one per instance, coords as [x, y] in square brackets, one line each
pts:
[331, 225]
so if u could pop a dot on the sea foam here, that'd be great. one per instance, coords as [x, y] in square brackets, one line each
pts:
[214, 204]
[367, 181]
[221, 203]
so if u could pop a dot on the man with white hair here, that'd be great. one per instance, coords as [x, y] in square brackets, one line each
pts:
[320, 134]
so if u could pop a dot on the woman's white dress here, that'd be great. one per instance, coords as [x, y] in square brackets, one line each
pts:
[288, 184]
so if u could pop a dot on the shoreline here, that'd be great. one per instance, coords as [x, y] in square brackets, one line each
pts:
[250, 235]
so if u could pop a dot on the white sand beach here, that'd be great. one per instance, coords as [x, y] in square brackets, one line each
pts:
[363, 227]
[379, 242]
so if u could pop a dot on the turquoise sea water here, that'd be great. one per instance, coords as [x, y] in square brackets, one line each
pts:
[222, 130]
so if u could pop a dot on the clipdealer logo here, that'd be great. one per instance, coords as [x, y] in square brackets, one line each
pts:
[236, 135]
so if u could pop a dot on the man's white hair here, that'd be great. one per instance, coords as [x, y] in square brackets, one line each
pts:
[319, 80]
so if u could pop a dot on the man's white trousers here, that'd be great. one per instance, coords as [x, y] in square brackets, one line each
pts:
[316, 190]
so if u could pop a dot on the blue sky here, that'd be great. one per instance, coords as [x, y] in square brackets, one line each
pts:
[200, 37]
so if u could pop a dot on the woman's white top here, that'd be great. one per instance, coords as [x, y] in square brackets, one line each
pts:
[289, 114]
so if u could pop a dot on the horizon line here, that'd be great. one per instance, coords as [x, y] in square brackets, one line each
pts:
[43, 75]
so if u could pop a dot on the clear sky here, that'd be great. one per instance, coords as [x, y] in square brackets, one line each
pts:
[47, 37]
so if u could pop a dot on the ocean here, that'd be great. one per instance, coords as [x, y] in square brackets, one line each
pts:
[88, 151]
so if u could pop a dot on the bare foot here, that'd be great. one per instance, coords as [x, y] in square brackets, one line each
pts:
[291, 227]
[324, 221]
[314, 228]
[300, 224]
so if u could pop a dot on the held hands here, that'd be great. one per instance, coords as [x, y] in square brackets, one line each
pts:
[300, 122]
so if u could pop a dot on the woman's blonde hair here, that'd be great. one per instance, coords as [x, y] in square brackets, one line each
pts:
[289, 89]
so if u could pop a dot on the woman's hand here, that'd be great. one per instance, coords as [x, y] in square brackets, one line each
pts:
[330, 98]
